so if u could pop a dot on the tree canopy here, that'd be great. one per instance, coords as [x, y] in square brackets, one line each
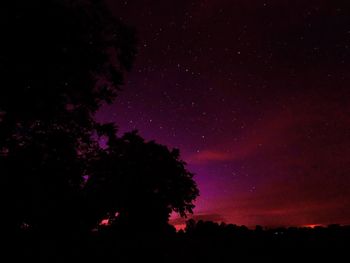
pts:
[59, 62]
[141, 181]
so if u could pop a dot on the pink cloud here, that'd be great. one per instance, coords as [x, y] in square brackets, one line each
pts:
[209, 156]
[297, 163]
[259, 137]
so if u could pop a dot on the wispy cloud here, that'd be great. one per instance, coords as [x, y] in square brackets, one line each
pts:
[260, 137]
[210, 156]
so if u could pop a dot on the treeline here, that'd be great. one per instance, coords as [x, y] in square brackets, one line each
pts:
[199, 242]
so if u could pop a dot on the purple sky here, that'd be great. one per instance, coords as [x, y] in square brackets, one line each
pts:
[256, 96]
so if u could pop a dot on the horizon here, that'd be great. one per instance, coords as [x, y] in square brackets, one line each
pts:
[181, 226]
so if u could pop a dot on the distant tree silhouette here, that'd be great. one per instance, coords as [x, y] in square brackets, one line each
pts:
[143, 182]
[59, 61]
[206, 240]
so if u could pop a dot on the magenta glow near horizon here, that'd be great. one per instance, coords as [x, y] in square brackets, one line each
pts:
[255, 96]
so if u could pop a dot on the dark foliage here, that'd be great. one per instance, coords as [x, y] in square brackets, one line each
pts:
[60, 57]
[59, 61]
[141, 181]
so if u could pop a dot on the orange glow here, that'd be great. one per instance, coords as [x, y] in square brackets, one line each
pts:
[311, 225]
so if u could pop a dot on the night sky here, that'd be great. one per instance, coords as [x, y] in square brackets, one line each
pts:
[256, 96]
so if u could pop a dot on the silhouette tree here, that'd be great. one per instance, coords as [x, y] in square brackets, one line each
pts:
[59, 61]
[135, 182]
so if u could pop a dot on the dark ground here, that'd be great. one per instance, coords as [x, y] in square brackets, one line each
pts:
[201, 242]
